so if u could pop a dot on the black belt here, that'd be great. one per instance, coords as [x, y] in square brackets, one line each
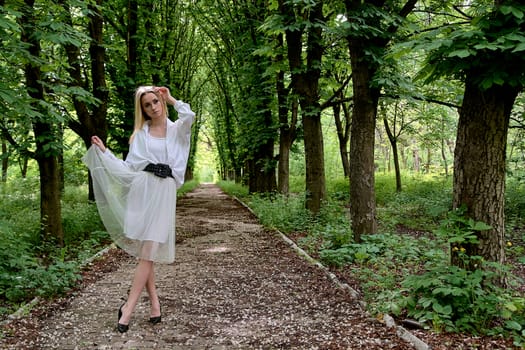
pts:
[160, 170]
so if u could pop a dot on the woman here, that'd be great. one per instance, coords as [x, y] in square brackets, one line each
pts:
[136, 198]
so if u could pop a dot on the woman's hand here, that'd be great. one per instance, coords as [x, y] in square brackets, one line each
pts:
[95, 140]
[166, 95]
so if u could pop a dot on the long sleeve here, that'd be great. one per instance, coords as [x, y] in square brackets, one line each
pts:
[179, 141]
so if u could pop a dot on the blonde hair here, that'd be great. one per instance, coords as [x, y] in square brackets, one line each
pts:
[140, 116]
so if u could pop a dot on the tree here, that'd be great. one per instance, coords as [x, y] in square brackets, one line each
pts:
[288, 119]
[487, 54]
[91, 108]
[343, 126]
[152, 43]
[248, 90]
[299, 20]
[394, 132]
[370, 28]
[14, 104]
[44, 129]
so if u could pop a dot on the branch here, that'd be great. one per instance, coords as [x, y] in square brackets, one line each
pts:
[330, 102]
[456, 7]
[6, 135]
[426, 99]
[407, 8]
[520, 123]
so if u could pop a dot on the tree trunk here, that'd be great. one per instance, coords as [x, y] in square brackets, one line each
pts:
[287, 137]
[23, 164]
[444, 157]
[366, 97]
[393, 143]
[429, 161]
[416, 160]
[287, 128]
[362, 177]
[314, 154]
[45, 137]
[343, 134]
[262, 176]
[305, 84]
[479, 165]
[5, 160]
[91, 119]
[50, 207]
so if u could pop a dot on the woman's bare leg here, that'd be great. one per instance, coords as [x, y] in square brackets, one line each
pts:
[152, 292]
[143, 273]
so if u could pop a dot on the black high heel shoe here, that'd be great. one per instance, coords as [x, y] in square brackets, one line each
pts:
[122, 328]
[156, 319]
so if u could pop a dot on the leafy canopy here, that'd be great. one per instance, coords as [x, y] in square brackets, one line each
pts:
[490, 46]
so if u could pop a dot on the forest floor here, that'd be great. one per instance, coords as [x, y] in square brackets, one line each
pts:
[234, 285]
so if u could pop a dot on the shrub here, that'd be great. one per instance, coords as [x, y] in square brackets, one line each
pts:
[457, 299]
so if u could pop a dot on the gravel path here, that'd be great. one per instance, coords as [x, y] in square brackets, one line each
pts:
[233, 286]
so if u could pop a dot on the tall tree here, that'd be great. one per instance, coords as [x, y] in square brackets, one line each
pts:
[287, 115]
[370, 28]
[233, 31]
[393, 133]
[91, 108]
[44, 129]
[302, 20]
[15, 109]
[256, 124]
[487, 54]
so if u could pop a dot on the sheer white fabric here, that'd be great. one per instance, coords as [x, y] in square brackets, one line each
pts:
[137, 207]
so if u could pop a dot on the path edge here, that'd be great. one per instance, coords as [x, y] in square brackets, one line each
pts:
[389, 321]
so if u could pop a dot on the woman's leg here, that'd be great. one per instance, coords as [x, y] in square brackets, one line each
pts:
[143, 273]
[152, 292]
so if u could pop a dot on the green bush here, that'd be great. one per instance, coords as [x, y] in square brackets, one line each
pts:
[458, 299]
[455, 299]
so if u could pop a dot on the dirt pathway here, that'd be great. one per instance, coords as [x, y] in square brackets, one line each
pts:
[232, 286]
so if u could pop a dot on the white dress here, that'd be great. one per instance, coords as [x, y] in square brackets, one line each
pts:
[138, 207]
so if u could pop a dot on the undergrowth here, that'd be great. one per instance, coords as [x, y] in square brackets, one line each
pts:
[31, 267]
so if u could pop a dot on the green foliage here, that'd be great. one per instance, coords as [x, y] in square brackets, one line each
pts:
[425, 201]
[515, 200]
[376, 248]
[29, 268]
[269, 210]
[458, 230]
[233, 189]
[187, 187]
[491, 47]
[456, 299]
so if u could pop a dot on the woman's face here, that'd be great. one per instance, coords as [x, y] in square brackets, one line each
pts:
[152, 105]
